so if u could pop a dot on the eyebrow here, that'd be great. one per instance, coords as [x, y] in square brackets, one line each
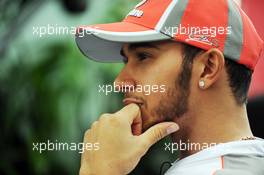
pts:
[134, 46]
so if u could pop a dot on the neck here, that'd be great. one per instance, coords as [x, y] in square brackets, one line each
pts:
[212, 124]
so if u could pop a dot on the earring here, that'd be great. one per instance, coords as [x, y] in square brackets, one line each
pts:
[202, 84]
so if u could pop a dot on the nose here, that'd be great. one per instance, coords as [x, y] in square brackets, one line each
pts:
[124, 81]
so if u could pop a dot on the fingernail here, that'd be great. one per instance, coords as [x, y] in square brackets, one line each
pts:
[172, 128]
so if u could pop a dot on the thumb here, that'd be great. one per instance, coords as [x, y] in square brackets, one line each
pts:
[159, 131]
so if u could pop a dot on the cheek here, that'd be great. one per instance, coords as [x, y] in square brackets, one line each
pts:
[160, 71]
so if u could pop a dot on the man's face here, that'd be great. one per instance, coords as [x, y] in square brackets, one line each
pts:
[159, 65]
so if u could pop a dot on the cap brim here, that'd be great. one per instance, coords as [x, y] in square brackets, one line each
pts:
[103, 42]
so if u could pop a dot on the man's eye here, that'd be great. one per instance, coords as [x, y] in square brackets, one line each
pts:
[142, 56]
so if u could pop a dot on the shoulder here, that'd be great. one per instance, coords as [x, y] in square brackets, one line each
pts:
[230, 164]
[233, 172]
[241, 165]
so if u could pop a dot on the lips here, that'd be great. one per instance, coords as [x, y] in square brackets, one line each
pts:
[130, 100]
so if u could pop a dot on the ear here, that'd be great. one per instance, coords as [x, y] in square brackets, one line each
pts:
[211, 65]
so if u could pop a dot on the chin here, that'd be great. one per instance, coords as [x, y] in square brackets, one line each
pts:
[148, 120]
[145, 127]
[146, 124]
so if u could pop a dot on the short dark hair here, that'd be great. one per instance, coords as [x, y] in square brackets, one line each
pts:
[239, 76]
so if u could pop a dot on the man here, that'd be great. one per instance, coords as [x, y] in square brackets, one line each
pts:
[203, 52]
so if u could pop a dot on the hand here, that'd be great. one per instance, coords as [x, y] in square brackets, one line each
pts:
[119, 150]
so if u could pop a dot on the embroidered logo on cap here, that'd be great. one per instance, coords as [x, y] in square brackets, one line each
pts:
[136, 12]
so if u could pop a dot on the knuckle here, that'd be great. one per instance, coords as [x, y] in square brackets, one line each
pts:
[87, 133]
[82, 171]
[115, 121]
[104, 117]
[94, 124]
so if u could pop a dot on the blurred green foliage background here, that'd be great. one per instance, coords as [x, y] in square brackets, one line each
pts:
[49, 90]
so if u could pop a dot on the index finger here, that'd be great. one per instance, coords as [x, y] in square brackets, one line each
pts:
[129, 112]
